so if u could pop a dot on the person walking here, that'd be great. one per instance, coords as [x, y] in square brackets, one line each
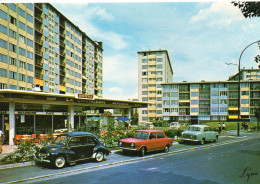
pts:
[219, 128]
[223, 127]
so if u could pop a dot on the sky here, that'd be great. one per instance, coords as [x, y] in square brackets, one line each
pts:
[200, 38]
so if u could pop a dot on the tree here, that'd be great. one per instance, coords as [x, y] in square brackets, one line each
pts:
[248, 9]
[257, 115]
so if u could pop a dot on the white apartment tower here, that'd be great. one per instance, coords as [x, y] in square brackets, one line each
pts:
[154, 68]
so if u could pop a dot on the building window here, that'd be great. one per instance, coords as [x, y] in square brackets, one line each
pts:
[12, 33]
[29, 79]
[244, 101]
[29, 30]
[12, 61]
[29, 55]
[29, 18]
[3, 43]
[159, 66]
[3, 15]
[223, 93]
[12, 47]
[245, 93]
[12, 75]
[144, 99]
[22, 25]
[30, 67]
[21, 12]
[12, 86]
[3, 73]
[21, 38]
[144, 61]
[3, 29]
[22, 64]
[22, 51]
[29, 42]
[2, 85]
[159, 59]
[3, 58]
[21, 77]
[12, 6]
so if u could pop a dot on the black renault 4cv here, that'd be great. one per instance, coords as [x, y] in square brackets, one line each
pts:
[68, 148]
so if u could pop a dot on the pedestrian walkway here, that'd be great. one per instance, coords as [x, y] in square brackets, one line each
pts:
[7, 149]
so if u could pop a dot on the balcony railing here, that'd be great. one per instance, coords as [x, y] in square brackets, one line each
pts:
[37, 40]
[38, 5]
[39, 53]
[38, 76]
[40, 30]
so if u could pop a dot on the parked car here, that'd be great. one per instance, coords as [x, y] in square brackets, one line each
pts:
[72, 147]
[175, 125]
[146, 141]
[200, 133]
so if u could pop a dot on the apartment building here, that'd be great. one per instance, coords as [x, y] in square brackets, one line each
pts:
[194, 102]
[154, 68]
[39, 46]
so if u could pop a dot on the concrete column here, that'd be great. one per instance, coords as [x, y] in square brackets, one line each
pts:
[71, 118]
[34, 123]
[129, 113]
[3, 126]
[11, 123]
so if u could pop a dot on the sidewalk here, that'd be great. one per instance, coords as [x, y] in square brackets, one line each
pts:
[7, 149]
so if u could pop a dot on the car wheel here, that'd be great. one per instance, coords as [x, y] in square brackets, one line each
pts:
[202, 141]
[60, 161]
[142, 152]
[99, 156]
[166, 149]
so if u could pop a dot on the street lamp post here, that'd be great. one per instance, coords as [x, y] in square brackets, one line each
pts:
[239, 82]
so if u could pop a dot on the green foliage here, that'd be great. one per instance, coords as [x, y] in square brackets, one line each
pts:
[249, 9]
[25, 152]
[173, 132]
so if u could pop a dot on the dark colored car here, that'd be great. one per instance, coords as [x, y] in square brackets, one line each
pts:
[72, 147]
[146, 141]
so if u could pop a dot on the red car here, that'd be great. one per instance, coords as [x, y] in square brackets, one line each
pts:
[146, 141]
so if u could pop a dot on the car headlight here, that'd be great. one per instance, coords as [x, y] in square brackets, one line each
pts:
[120, 143]
[132, 145]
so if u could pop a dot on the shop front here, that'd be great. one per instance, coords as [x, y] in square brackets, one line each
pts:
[28, 113]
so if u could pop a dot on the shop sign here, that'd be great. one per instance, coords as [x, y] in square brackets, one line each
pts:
[85, 96]
[51, 98]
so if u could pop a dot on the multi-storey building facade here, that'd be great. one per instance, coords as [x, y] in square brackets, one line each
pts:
[193, 102]
[154, 68]
[40, 46]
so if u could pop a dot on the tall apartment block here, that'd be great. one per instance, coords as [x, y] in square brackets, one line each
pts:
[194, 102]
[154, 68]
[40, 46]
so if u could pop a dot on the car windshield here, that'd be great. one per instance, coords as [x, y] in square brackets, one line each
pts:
[194, 128]
[142, 135]
[61, 140]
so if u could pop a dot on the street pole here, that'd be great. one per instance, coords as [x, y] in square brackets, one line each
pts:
[239, 84]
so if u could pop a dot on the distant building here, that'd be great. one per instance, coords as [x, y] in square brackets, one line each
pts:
[194, 102]
[154, 68]
[40, 47]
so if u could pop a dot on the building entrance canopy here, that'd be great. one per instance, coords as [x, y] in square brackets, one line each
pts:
[16, 102]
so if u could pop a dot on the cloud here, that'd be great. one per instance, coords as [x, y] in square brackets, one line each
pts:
[115, 89]
[85, 20]
[218, 13]
[121, 69]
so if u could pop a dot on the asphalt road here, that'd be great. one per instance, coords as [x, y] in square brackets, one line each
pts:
[235, 161]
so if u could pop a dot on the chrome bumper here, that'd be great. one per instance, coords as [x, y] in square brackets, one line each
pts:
[186, 139]
[132, 149]
[42, 160]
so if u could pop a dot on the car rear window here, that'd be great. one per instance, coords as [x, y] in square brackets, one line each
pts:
[160, 135]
